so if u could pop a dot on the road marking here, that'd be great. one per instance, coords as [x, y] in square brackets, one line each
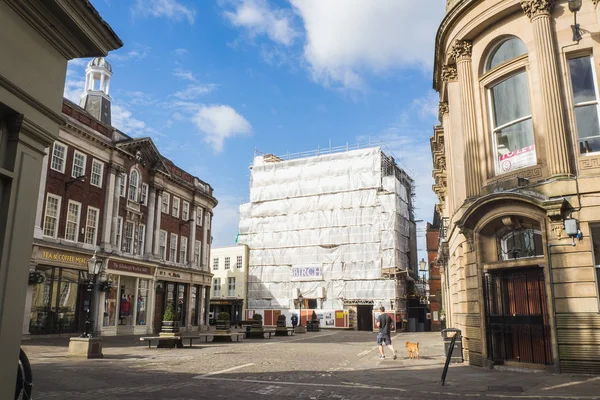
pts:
[223, 371]
[570, 384]
[354, 386]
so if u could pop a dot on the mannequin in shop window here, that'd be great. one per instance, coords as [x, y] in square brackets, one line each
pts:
[141, 313]
[125, 307]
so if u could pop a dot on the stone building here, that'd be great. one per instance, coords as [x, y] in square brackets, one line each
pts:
[37, 39]
[517, 165]
[230, 281]
[434, 282]
[148, 220]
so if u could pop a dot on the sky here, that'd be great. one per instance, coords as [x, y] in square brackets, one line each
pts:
[213, 81]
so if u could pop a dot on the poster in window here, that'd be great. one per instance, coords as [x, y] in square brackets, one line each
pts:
[517, 159]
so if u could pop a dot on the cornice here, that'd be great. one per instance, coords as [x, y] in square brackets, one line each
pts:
[533, 8]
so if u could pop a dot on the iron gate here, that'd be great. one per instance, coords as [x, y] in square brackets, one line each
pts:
[517, 316]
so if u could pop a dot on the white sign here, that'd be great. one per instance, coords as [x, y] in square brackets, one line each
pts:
[307, 273]
[516, 159]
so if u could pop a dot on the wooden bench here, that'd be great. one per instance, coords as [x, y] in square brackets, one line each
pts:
[289, 331]
[174, 341]
[260, 335]
[214, 334]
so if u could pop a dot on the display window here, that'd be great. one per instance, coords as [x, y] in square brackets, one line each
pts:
[142, 302]
[110, 303]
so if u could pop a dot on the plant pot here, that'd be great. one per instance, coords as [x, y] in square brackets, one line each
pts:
[170, 327]
[223, 325]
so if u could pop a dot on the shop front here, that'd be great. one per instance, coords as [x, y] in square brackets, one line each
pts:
[126, 298]
[56, 300]
[234, 307]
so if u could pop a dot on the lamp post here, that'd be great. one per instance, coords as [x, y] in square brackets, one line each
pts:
[574, 7]
[423, 269]
[94, 267]
[300, 299]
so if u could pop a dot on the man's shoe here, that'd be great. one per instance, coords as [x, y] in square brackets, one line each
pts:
[395, 356]
[381, 357]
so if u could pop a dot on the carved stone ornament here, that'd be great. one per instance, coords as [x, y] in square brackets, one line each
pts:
[595, 2]
[557, 229]
[462, 49]
[443, 106]
[533, 8]
[449, 73]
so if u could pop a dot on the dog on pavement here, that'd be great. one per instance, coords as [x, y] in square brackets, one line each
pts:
[413, 349]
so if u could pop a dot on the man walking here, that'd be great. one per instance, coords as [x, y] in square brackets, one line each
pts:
[384, 323]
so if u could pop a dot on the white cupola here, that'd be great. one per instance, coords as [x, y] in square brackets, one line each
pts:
[95, 98]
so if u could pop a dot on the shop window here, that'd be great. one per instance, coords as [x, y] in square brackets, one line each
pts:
[173, 248]
[183, 250]
[185, 211]
[164, 207]
[182, 303]
[127, 301]
[176, 203]
[91, 228]
[585, 101]
[215, 264]
[97, 173]
[194, 297]
[122, 184]
[144, 198]
[59, 156]
[595, 236]
[142, 302]
[73, 215]
[238, 263]
[128, 237]
[134, 185]
[51, 215]
[217, 287]
[78, 164]
[110, 302]
[510, 112]
[227, 262]
[231, 287]
[163, 245]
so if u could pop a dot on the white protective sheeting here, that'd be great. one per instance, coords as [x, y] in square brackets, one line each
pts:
[335, 211]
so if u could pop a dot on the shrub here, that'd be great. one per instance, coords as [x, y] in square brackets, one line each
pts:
[281, 318]
[170, 314]
[223, 316]
[257, 317]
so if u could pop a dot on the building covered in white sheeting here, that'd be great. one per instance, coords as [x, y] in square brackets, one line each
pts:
[337, 229]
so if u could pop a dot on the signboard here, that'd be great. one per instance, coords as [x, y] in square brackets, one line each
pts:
[307, 273]
[63, 258]
[138, 269]
[516, 159]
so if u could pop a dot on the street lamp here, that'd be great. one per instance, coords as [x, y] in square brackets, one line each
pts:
[423, 269]
[300, 299]
[574, 7]
[94, 267]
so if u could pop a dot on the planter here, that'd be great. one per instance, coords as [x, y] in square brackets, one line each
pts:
[169, 328]
[223, 325]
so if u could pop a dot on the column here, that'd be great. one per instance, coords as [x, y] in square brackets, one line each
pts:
[158, 217]
[206, 304]
[38, 231]
[461, 51]
[151, 216]
[192, 238]
[116, 197]
[538, 12]
[109, 209]
[205, 241]
[102, 82]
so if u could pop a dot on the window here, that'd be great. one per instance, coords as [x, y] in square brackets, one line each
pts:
[595, 236]
[122, 184]
[91, 227]
[51, 216]
[119, 232]
[134, 184]
[59, 155]
[128, 237]
[585, 100]
[510, 112]
[175, 212]
[73, 215]
[183, 250]
[206, 255]
[78, 164]
[173, 248]
[185, 211]
[197, 247]
[215, 264]
[217, 287]
[199, 212]
[163, 245]
[97, 173]
[231, 287]
[144, 198]
[520, 243]
[164, 207]
[238, 264]
[227, 262]
[140, 236]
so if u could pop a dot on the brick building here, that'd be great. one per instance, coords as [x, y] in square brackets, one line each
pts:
[435, 284]
[148, 220]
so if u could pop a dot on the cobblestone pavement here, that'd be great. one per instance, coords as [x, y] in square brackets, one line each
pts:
[342, 365]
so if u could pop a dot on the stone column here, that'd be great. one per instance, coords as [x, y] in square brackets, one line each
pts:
[205, 241]
[150, 222]
[461, 51]
[38, 231]
[192, 238]
[28, 302]
[116, 198]
[206, 304]
[157, 222]
[539, 12]
[107, 226]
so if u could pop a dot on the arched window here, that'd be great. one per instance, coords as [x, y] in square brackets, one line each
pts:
[134, 184]
[523, 242]
[510, 112]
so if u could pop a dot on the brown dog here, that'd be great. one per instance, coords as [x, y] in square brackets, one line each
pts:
[412, 349]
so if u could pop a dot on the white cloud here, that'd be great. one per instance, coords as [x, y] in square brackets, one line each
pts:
[225, 226]
[260, 19]
[123, 120]
[139, 53]
[346, 39]
[219, 122]
[181, 51]
[170, 9]
[74, 89]
[184, 74]
[194, 91]
[137, 97]
[427, 106]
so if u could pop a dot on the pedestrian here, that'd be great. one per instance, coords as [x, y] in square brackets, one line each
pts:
[294, 321]
[384, 323]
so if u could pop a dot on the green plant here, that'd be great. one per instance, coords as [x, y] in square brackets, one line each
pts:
[106, 286]
[170, 314]
[257, 317]
[223, 316]
[36, 277]
[281, 318]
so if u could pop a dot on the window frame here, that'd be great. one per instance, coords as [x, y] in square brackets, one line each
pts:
[134, 193]
[164, 205]
[119, 233]
[217, 287]
[227, 263]
[199, 215]
[173, 247]
[57, 217]
[77, 224]
[185, 208]
[64, 159]
[215, 265]
[95, 238]
[239, 262]
[163, 238]
[197, 254]
[175, 211]
[75, 154]
[100, 174]
[122, 184]
[141, 239]
[144, 194]
[183, 248]
[595, 259]
[230, 291]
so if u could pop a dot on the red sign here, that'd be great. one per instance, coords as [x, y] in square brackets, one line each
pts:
[138, 269]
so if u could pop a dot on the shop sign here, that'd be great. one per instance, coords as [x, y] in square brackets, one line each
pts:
[57, 257]
[138, 269]
[307, 273]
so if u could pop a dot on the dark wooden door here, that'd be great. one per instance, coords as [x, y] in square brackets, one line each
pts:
[159, 305]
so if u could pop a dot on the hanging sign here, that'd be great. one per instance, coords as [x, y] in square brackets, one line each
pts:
[307, 273]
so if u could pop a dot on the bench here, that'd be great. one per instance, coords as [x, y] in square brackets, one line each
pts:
[170, 341]
[289, 331]
[214, 334]
[260, 335]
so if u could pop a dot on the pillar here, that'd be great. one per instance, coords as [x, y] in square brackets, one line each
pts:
[206, 304]
[461, 51]
[109, 209]
[150, 222]
[205, 241]
[539, 12]
[157, 219]
[38, 231]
